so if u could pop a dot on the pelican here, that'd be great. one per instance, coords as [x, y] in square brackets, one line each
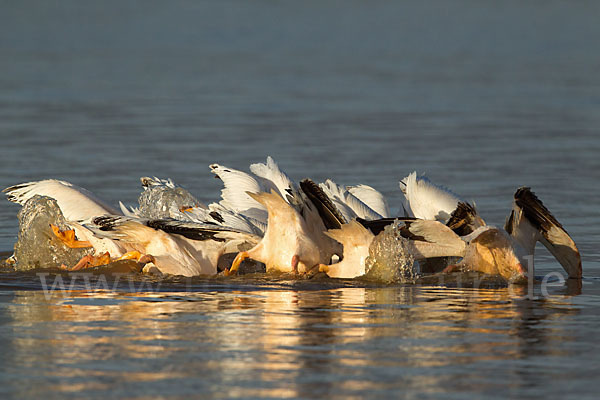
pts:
[77, 205]
[172, 247]
[529, 221]
[294, 239]
[163, 199]
[356, 240]
[486, 248]
[426, 200]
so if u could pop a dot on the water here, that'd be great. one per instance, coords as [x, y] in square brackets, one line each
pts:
[482, 97]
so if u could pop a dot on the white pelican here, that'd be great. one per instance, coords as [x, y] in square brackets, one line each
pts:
[287, 245]
[486, 249]
[356, 240]
[77, 205]
[162, 198]
[173, 247]
[426, 200]
[529, 222]
[294, 239]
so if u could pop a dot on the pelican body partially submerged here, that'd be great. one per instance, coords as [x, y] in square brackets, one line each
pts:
[506, 252]
[299, 228]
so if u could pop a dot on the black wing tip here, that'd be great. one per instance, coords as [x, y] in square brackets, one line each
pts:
[534, 210]
[509, 225]
[215, 167]
[172, 226]
[309, 183]
[217, 217]
[107, 222]
[542, 219]
[324, 205]
[462, 218]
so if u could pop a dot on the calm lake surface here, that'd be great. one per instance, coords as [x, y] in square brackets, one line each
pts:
[482, 97]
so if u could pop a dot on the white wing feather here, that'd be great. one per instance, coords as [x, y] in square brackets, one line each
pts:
[427, 200]
[234, 194]
[273, 178]
[76, 203]
[341, 195]
[219, 215]
[372, 198]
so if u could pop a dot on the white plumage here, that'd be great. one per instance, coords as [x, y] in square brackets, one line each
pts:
[349, 205]
[234, 195]
[76, 203]
[273, 178]
[372, 198]
[427, 200]
[172, 253]
[356, 240]
[268, 211]
[287, 245]
[294, 239]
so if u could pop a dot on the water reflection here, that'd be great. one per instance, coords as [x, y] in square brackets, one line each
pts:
[347, 341]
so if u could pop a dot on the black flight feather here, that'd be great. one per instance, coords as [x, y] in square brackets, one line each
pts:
[462, 219]
[331, 216]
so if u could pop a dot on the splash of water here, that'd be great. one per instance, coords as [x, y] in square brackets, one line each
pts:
[158, 202]
[390, 260]
[37, 246]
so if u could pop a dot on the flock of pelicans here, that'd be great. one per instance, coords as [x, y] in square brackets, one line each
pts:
[299, 228]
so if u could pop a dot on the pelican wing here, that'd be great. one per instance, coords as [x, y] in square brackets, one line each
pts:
[427, 200]
[464, 219]
[332, 217]
[550, 232]
[372, 198]
[432, 239]
[347, 200]
[219, 215]
[199, 231]
[236, 184]
[135, 229]
[273, 178]
[76, 203]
